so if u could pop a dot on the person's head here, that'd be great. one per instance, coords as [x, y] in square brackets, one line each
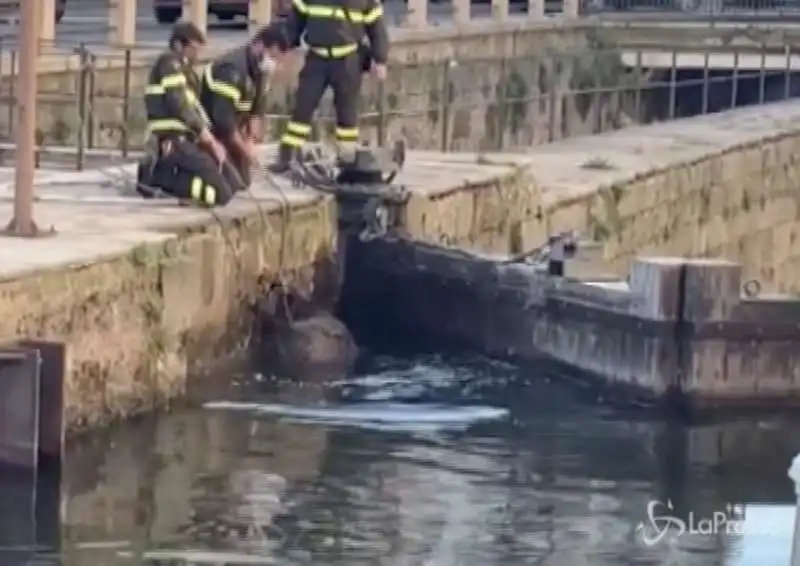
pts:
[269, 45]
[187, 39]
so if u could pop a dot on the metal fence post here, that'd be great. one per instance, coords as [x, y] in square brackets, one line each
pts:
[794, 475]
[126, 106]
[503, 103]
[90, 100]
[82, 95]
[445, 102]
[12, 93]
[382, 118]
[762, 75]
[673, 85]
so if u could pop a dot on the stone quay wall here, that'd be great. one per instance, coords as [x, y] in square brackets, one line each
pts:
[480, 86]
[138, 323]
[146, 297]
[722, 185]
[679, 331]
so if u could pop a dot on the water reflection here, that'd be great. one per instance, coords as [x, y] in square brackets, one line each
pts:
[532, 474]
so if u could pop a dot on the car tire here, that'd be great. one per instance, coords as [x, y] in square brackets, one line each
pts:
[167, 15]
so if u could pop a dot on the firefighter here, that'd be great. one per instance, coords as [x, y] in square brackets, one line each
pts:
[334, 31]
[185, 159]
[233, 93]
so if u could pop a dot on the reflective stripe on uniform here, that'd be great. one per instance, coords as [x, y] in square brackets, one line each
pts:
[338, 13]
[202, 192]
[335, 52]
[166, 125]
[347, 134]
[222, 88]
[178, 81]
[292, 140]
[229, 91]
[299, 129]
[296, 134]
[173, 81]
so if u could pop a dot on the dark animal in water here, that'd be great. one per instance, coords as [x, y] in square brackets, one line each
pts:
[297, 339]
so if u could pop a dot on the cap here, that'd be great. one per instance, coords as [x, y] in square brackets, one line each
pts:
[275, 34]
[187, 32]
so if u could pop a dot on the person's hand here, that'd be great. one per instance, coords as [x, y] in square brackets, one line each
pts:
[218, 150]
[250, 152]
[379, 71]
[256, 128]
[214, 146]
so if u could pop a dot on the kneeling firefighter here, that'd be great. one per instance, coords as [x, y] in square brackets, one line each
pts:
[180, 143]
[233, 95]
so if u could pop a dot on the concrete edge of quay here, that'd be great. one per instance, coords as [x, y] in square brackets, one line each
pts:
[139, 321]
[671, 325]
[164, 304]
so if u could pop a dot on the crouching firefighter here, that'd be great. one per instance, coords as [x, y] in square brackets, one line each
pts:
[233, 96]
[176, 161]
[334, 31]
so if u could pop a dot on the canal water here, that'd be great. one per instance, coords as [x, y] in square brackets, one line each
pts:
[421, 461]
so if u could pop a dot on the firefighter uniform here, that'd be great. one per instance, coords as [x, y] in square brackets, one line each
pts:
[181, 167]
[232, 93]
[334, 31]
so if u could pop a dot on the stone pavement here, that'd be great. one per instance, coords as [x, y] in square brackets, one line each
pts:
[95, 220]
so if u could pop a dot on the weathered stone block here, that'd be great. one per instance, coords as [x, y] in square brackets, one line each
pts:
[713, 289]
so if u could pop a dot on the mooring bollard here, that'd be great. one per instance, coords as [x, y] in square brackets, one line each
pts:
[794, 475]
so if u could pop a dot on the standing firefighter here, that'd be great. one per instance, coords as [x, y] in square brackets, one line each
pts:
[177, 126]
[233, 95]
[337, 56]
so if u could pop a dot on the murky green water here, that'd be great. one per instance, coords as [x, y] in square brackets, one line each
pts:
[415, 463]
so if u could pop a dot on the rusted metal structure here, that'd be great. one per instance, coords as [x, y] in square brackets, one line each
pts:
[31, 446]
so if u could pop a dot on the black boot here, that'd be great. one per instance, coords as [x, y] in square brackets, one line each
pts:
[144, 177]
[283, 164]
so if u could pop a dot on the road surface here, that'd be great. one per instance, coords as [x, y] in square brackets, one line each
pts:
[86, 21]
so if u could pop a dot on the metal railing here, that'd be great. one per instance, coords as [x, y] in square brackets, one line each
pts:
[453, 105]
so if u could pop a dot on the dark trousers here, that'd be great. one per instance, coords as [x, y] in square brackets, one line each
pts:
[237, 169]
[343, 75]
[186, 171]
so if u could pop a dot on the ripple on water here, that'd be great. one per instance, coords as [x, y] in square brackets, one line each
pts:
[411, 462]
[375, 415]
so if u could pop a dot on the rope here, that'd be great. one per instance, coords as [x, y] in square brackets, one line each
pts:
[114, 176]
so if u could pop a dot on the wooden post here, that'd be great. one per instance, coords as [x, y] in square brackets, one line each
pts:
[259, 14]
[47, 29]
[196, 11]
[122, 22]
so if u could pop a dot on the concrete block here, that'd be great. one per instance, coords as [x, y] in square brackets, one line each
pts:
[712, 289]
[656, 284]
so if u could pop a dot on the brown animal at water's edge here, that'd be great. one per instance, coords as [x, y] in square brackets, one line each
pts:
[298, 338]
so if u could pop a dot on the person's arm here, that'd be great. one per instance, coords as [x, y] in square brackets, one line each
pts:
[259, 110]
[377, 32]
[176, 96]
[295, 22]
[223, 81]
